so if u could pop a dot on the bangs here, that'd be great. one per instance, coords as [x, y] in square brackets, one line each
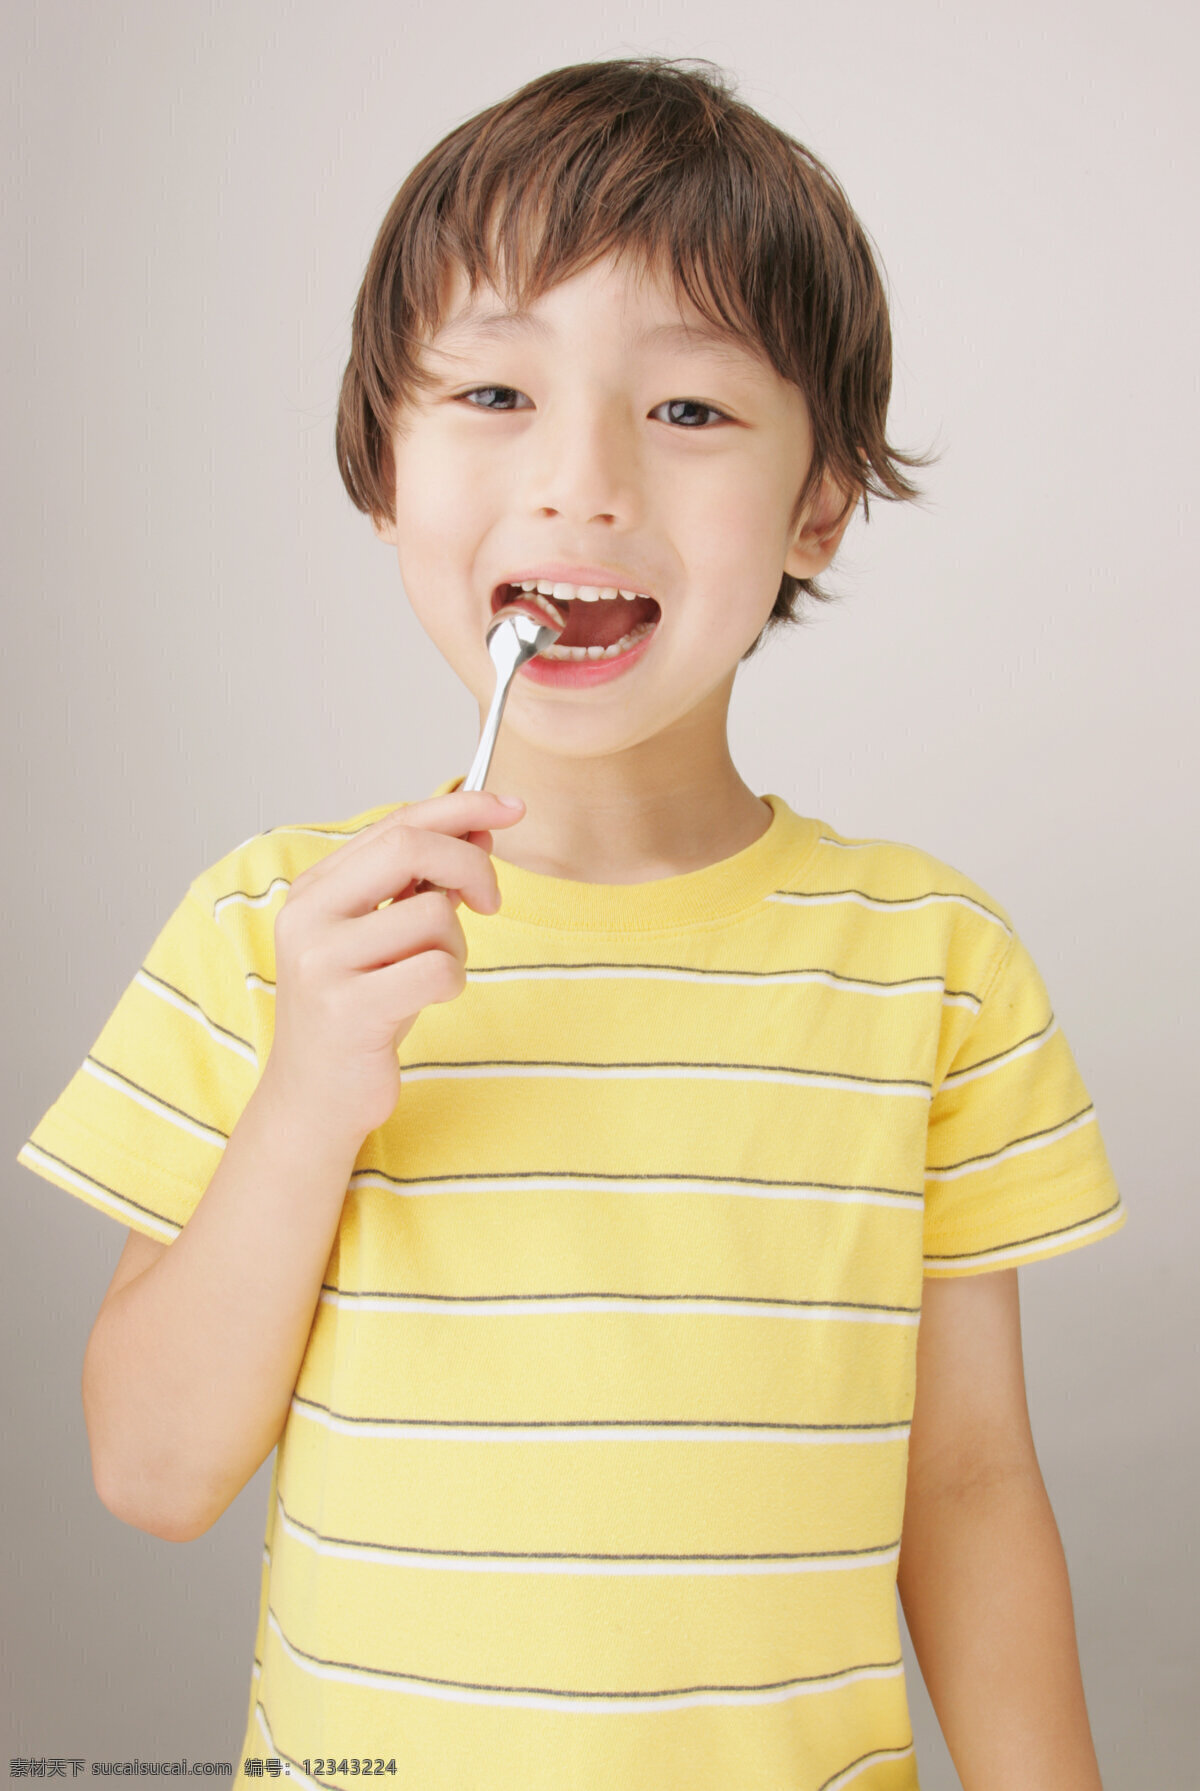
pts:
[570, 211]
[519, 210]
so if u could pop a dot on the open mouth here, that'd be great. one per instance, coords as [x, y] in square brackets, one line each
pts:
[593, 625]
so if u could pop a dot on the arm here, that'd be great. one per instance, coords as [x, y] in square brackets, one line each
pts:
[982, 1575]
[192, 1361]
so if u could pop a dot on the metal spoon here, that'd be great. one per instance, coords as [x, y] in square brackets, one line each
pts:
[512, 637]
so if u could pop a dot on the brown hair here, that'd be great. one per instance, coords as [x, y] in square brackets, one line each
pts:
[649, 157]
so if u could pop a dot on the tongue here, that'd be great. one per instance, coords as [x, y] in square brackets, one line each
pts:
[604, 623]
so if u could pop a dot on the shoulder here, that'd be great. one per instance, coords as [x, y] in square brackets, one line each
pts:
[910, 904]
[264, 866]
[891, 873]
[884, 870]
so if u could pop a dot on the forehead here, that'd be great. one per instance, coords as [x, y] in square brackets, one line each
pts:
[653, 313]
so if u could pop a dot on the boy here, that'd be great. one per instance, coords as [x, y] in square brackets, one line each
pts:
[583, 1315]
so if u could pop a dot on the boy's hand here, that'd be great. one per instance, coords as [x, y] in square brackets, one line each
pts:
[351, 977]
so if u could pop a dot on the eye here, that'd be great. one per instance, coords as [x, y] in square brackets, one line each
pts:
[692, 404]
[503, 398]
[504, 392]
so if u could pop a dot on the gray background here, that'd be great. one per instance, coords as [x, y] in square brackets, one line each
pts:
[204, 639]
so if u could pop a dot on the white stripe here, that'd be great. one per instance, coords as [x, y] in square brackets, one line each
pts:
[1012, 1150]
[894, 907]
[295, 1776]
[574, 1564]
[1016, 1251]
[701, 978]
[246, 1052]
[860, 1766]
[600, 1705]
[30, 1155]
[194, 1127]
[997, 1063]
[504, 1308]
[326, 833]
[408, 1431]
[578, 973]
[611, 1184]
[656, 1072]
[249, 901]
[823, 839]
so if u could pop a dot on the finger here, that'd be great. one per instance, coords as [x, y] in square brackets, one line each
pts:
[392, 862]
[402, 930]
[436, 814]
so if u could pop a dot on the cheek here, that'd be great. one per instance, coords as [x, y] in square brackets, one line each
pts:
[731, 498]
[439, 493]
[728, 534]
[731, 540]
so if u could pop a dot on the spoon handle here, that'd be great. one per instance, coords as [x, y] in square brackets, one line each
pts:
[506, 670]
[511, 640]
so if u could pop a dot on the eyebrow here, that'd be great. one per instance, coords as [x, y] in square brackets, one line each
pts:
[507, 325]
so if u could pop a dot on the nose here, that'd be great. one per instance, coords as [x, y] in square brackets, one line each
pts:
[584, 465]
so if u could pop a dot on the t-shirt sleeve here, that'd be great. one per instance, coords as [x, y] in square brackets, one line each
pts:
[1016, 1169]
[139, 1130]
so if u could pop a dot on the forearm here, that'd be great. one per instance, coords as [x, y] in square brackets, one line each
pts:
[987, 1599]
[190, 1368]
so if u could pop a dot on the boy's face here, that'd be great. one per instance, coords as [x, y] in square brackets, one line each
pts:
[598, 435]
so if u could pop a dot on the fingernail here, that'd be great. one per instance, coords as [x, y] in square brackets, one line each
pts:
[511, 801]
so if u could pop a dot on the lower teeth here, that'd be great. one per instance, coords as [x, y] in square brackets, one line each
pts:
[613, 652]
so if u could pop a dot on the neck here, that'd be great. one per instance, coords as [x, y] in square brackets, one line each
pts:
[633, 817]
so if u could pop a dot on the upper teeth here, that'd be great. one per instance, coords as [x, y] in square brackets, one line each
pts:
[586, 593]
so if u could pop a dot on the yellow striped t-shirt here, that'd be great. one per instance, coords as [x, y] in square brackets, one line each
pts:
[594, 1471]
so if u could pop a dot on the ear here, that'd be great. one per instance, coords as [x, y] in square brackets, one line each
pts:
[384, 530]
[818, 533]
